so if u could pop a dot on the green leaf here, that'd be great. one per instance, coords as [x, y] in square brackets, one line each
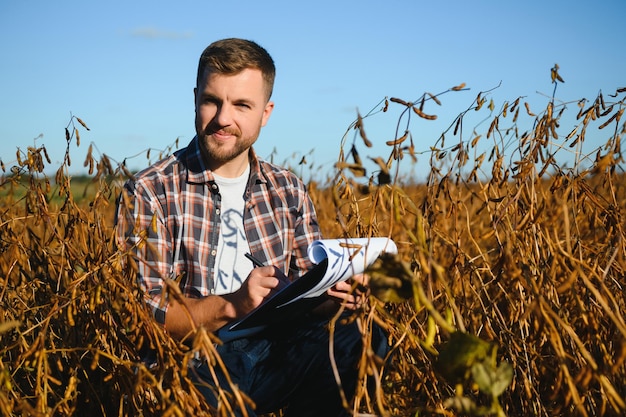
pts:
[461, 404]
[460, 353]
[490, 380]
[484, 377]
[504, 377]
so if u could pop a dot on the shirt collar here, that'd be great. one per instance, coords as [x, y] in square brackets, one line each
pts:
[198, 173]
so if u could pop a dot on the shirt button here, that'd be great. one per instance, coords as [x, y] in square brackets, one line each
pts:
[213, 252]
[217, 211]
[212, 291]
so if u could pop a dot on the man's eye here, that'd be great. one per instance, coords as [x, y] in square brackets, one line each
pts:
[209, 100]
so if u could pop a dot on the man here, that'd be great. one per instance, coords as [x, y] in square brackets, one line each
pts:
[202, 209]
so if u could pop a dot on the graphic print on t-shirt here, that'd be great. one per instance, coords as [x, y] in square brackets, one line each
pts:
[231, 266]
[229, 276]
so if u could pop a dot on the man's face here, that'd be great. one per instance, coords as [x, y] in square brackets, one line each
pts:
[230, 111]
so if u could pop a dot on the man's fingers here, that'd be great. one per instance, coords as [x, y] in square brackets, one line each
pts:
[282, 278]
[341, 295]
[351, 301]
[352, 286]
[266, 277]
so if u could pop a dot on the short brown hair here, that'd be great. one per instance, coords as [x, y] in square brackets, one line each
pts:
[231, 56]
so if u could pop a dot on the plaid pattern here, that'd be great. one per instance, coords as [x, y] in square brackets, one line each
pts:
[169, 218]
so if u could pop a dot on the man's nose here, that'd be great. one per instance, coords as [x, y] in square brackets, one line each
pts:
[224, 115]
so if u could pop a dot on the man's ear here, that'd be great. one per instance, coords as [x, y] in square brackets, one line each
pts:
[267, 112]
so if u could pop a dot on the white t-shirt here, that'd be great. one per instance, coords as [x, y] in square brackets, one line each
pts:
[231, 265]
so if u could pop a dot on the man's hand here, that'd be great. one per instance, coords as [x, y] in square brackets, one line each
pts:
[214, 311]
[261, 283]
[351, 293]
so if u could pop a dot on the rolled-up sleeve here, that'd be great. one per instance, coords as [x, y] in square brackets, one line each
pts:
[141, 233]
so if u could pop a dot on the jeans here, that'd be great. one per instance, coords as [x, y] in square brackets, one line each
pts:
[290, 368]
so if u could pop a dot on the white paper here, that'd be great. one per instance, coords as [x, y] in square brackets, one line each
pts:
[346, 257]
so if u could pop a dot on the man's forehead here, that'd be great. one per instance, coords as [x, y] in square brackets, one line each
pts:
[241, 81]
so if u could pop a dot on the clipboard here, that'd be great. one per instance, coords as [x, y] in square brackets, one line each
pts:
[280, 308]
[335, 260]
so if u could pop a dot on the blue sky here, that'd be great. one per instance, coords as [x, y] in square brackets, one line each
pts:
[127, 68]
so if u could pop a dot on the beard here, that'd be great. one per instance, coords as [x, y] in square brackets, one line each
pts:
[220, 152]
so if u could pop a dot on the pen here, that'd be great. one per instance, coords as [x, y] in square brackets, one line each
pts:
[254, 260]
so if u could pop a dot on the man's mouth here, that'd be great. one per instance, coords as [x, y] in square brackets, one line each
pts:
[222, 134]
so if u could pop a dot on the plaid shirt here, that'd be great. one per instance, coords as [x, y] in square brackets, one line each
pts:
[169, 218]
